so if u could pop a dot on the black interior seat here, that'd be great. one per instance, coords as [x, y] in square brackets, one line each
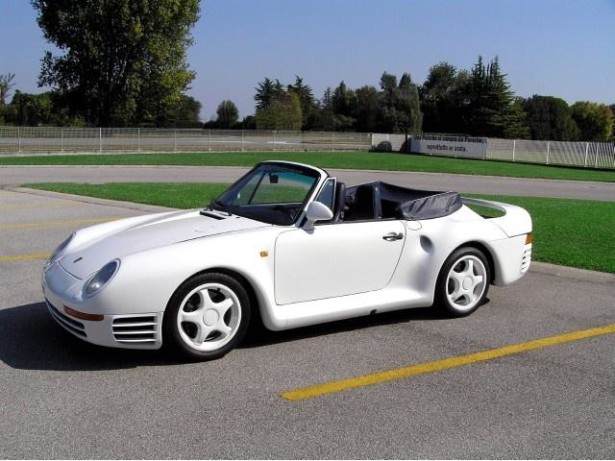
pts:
[364, 204]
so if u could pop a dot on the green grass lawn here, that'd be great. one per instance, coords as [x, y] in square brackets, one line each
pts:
[175, 195]
[337, 160]
[577, 233]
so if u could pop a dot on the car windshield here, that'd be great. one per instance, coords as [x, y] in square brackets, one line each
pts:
[270, 192]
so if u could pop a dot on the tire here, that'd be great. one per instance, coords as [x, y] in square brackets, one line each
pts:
[207, 316]
[463, 282]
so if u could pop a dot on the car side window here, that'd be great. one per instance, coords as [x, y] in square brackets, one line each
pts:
[326, 195]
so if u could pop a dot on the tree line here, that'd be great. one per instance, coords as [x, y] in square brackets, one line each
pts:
[123, 63]
[476, 102]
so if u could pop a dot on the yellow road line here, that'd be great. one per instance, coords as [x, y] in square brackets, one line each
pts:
[25, 257]
[61, 223]
[439, 365]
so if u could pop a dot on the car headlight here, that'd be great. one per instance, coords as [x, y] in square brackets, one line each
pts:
[98, 281]
[60, 249]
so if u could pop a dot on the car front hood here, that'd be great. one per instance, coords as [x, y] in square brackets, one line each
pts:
[159, 231]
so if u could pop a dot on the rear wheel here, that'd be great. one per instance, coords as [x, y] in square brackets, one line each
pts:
[207, 316]
[463, 282]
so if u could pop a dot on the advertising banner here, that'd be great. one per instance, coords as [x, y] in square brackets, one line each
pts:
[464, 149]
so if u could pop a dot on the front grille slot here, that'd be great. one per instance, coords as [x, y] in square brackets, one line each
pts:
[67, 322]
[135, 329]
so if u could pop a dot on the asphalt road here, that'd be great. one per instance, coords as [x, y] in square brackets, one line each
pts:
[61, 398]
[461, 183]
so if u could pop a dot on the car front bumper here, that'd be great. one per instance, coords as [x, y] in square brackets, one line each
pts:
[127, 331]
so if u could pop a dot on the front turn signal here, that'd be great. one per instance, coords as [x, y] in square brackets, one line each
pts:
[528, 238]
[83, 315]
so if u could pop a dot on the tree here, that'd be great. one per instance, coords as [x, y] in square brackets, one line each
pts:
[268, 91]
[343, 105]
[367, 109]
[228, 115]
[408, 104]
[306, 98]
[283, 113]
[550, 118]
[123, 61]
[440, 103]
[399, 108]
[595, 121]
[323, 117]
[343, 100]
[185, 114]
[31, 109]
[248, 123]
[6, 83]
[490, 110]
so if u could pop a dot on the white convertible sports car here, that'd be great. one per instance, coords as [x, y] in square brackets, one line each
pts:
[286, 243]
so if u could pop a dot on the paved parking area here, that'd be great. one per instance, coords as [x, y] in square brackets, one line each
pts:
[61, 398]
[581, 190]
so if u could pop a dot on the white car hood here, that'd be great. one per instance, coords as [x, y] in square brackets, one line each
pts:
[154, 233]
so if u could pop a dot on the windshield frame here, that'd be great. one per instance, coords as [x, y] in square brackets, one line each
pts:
[283, 214]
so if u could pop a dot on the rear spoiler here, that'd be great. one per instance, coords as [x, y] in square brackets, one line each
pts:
[516, 220]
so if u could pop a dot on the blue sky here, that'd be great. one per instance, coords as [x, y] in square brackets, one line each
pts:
[563, 48]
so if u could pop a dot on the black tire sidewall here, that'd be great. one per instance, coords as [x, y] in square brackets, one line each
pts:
[171, 333]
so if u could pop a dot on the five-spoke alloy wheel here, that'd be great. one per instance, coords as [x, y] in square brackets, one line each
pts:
[207, 316]
[463, 282]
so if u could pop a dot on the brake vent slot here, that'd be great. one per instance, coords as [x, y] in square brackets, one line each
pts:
[135, 329]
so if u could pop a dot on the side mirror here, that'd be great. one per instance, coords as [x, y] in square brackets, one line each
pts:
[316, 211]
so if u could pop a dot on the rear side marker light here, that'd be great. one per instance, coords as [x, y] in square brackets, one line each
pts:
[83, 315]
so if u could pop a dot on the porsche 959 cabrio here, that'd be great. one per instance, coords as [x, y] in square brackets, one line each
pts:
[287, 245]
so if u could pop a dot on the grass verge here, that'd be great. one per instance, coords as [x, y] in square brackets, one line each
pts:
[336, 160]
[576, 233]
[174, 195]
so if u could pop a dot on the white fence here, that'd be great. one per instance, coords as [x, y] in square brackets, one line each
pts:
[577, 154]
[44, 140]
[580, 154]
[26, 140]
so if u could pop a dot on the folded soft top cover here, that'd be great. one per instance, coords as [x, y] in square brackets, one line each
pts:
[404, 203]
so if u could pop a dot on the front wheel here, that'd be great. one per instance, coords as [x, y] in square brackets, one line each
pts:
[207, 316]
[463, 282]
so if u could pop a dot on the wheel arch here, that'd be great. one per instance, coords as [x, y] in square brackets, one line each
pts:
[253, 294]
[441, 297]
[483, 249]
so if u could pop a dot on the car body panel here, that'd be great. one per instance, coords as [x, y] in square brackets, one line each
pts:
[153, 233]
[351, 251]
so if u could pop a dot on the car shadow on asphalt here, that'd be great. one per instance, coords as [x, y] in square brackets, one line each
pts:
[259, 336]
[31, 340]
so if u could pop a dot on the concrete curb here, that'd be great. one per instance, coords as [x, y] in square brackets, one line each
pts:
[92, 200]
[572, 273]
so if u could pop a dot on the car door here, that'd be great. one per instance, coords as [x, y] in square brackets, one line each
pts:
[336, 260]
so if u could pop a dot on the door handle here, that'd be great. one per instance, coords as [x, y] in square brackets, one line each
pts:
[392, 236]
